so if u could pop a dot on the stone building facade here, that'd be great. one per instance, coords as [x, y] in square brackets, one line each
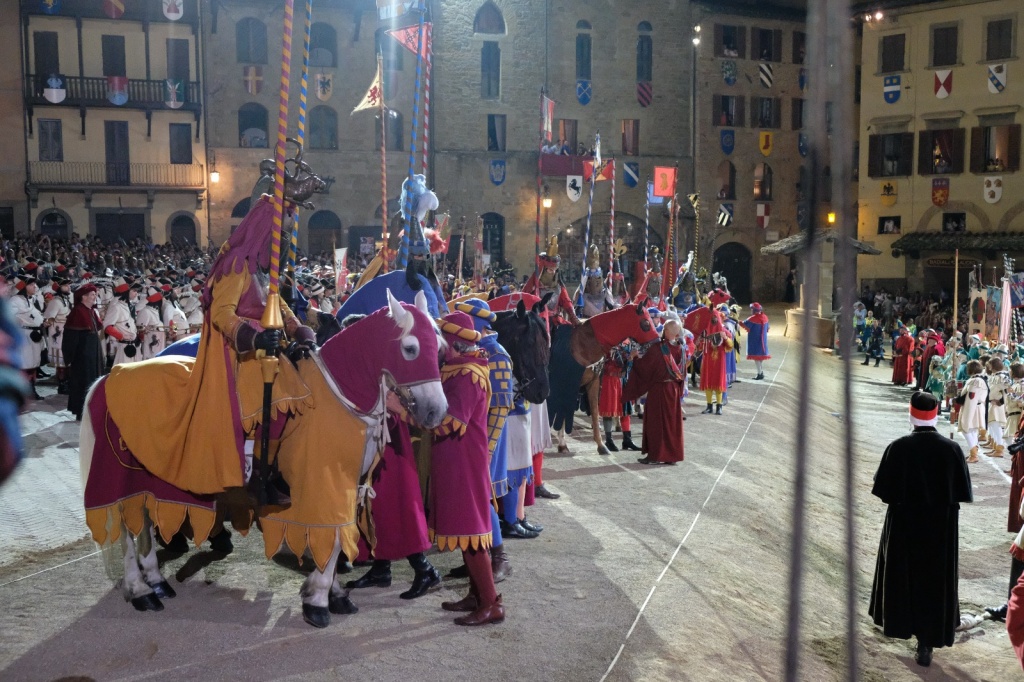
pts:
[940, 161]
[13, 207]
[114, 121]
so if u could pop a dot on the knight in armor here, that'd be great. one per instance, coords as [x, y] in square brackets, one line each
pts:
[55, 315]
[149, 324]
[119, 323]
[596, 299]
[547, 279]
[28, 315]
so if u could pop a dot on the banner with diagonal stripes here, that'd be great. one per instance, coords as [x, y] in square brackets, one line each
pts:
[725, 215]
[767, 75]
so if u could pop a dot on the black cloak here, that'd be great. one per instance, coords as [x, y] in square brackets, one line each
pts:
[922, 477]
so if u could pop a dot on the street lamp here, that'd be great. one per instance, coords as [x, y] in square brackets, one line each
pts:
[831, 217]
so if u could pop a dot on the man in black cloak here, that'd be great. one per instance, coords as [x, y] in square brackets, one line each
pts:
[923, 478]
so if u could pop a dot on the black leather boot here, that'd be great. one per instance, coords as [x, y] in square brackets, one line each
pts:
[718, 408]
[609, 443]
[379, 575]
[426, 577]
[627, 441]
[709, 409]
[500, 566]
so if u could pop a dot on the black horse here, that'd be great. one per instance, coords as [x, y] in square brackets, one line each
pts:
[525, 336]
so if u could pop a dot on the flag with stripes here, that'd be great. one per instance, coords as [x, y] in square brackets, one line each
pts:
[644, 93]
[767, 75]
[725, 215]
[548, 112]
[631, 173]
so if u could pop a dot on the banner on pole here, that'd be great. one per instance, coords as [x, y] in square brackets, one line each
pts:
[409, 37]
[664, 181]
[373, 96]
[603, 173]
[1017, 290]
[340, 269]
[548, 111]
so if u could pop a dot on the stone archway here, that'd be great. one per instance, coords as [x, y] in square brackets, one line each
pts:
[984, 224]
[182, 228]
[54, 223]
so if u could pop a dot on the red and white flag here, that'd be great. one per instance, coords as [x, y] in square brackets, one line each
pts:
[764, 214]
[341, 269]
[374, 96]
[603, 173]
[943, 83]
[548, 112]
[409, 37]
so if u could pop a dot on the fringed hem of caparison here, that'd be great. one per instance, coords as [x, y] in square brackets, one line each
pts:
[318, 540]
[450, 543]
[105, 522]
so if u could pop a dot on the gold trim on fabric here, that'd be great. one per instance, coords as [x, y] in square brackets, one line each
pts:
[318, 540]
[449, 543]
[168, 517]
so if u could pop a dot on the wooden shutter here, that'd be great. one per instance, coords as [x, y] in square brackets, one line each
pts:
[716, 110]
[874, 156]
[777, 112]
[924, 153]
[755, 43]
[907, 154]
[741, 102]
[741, 41]
[978, 150]
[959, 137]
[777, 45]
[1013, 154]
[719, 41]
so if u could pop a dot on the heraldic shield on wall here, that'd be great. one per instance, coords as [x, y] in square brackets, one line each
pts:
[497, 171]
[574, 187]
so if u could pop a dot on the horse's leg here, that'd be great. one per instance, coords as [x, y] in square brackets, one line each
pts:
[319, 596]
[560, 439]
[135, 588]
[594, 395]
[150, 566]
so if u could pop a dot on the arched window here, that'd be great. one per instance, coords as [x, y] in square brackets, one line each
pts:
[763, 182]
[323, 45]
[54, 224]
[494, 238]
[489, 20]
[251, 41]
[644, 54]
[583, 50]
[323, 128]
[324, 232]
[241, 209]
[490, 70]
[394, 130]
[252, 125]
[726, 180]
[183, 229]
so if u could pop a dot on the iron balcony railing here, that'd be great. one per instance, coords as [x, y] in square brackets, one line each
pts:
[92, 91]
[88, 173]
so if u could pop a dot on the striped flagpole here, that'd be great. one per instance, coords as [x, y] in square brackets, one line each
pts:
[383, 165]
[301, 135]
[403, 254]
[611, 228]
[540, 179]
[426, 98]
[586, 234]
[279, 157]
[647, 224]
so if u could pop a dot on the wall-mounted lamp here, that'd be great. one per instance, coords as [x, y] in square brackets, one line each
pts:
[696, 35]
[120, 207]
[214, 173]
[831, 217]
[546, 202]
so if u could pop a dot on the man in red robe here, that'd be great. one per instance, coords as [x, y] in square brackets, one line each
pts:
[903, 364]
[659, 374]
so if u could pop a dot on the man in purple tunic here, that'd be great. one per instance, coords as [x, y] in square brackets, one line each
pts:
[459, 513]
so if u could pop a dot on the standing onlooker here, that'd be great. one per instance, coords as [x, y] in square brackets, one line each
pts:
[29, 317]
[903, 357]
[972, 407]
[923, 479]
[82, 348]
[998, 386]
[757, 338]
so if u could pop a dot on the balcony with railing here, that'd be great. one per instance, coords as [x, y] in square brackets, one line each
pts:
[88, 174]
[90, 91]
[556, 165]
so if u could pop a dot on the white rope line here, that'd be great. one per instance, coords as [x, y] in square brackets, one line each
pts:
[643, 607]
[51, 568]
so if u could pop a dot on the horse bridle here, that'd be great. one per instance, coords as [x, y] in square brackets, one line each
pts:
[402, 391]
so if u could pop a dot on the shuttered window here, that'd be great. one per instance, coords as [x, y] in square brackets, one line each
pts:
[728, 110]
[890, 155]
[730, 41]
[51, 140]
[766, 44]
[181, 143]
[940, 152]
[490, 70]
[995, 149]
[893, 51]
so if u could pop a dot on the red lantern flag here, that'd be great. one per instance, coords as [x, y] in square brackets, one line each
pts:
[664, 181]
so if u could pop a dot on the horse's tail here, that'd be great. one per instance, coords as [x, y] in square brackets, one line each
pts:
[87, 437]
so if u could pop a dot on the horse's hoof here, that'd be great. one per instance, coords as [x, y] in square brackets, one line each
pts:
[563, 448]
[341, 605]
[149, 602]
[163, 590]
[317, 616]
[602, 450]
